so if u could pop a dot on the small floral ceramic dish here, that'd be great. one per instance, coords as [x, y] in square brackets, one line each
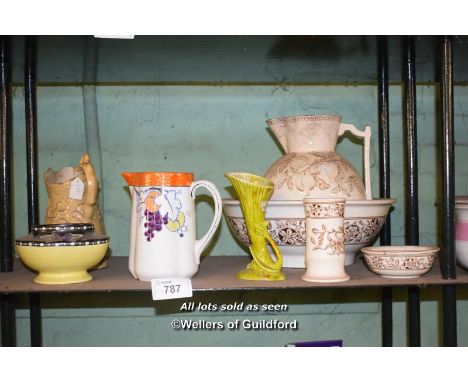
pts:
[404, 261]
[62, 253]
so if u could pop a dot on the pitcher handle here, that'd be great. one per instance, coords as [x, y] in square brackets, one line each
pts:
[366, 134]
[203, 242]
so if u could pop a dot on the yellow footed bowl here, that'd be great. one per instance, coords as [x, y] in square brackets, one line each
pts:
[62, 264]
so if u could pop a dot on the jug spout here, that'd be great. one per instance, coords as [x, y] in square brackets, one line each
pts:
[278, 126]
[129, 177]
[306, 133]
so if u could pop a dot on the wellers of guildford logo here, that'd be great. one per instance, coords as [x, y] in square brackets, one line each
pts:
[273, 324]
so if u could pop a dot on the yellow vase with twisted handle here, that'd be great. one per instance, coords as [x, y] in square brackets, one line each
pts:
[253, 192]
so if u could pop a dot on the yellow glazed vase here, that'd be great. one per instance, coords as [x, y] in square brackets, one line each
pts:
[253, 192]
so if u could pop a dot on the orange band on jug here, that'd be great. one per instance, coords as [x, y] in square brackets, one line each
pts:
[169, 179]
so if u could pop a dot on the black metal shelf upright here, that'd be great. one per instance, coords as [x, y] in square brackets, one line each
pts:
[411, 179]
[384, 176]
[447, 160]
[32, 171]
[7, 309]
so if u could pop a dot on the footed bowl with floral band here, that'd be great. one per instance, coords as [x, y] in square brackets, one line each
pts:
[363, 220]
[405, 261]
[62, 253]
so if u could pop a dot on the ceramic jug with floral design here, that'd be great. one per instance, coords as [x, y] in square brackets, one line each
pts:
[163, 240]
[311, 167]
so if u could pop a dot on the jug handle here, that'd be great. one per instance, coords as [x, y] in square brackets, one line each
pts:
[91, 181]
[366, 134]
[203, 242]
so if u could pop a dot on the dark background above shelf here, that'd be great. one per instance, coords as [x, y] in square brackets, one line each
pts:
[227, 59]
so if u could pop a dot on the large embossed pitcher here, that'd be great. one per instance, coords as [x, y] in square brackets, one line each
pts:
[311, 168]
[73, 195]
[163, 241]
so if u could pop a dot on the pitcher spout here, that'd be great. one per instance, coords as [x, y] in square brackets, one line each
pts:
[129, 177]
[306, 133]
[278, 126]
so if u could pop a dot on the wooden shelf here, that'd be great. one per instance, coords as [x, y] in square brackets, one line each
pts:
[217, 273]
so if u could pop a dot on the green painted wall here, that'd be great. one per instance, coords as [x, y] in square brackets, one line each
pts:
[211, 130]
[301, 59]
